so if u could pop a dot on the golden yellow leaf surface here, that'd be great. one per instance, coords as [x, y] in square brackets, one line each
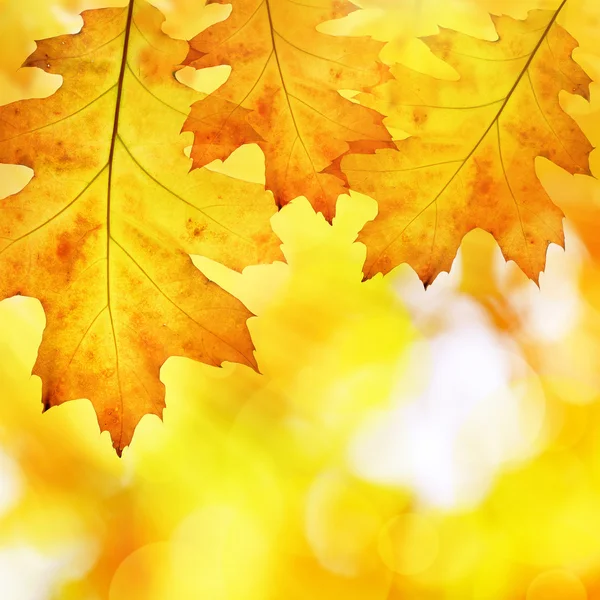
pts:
[283, 94]
[103, 232]
[470, 160]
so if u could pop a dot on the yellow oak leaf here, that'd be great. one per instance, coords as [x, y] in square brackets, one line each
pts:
[283, 94]
[103, 232]
[470, 160]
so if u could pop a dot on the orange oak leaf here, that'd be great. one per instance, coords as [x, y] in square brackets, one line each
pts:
[283, 94]
[471, 159]
[103, 232]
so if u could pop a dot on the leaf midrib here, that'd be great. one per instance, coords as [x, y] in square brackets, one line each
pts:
[287, 98]
[510, 93]
[111, 155]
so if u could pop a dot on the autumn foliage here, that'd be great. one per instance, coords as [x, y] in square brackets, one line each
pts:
[218, 207]
[103, 232]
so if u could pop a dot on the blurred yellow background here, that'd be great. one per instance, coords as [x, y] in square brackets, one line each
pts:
[397, 444]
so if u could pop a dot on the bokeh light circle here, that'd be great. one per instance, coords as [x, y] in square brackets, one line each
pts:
[409, 544]
[557, 584]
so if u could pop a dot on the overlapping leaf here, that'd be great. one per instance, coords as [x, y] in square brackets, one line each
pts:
[102, 233]
[283, 94]
[471, 160]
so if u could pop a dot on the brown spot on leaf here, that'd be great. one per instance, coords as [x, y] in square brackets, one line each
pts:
[64, 247]
[420, 116]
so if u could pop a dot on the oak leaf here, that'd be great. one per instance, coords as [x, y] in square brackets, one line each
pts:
[103, 232]
[283, 94]
[470, 160]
